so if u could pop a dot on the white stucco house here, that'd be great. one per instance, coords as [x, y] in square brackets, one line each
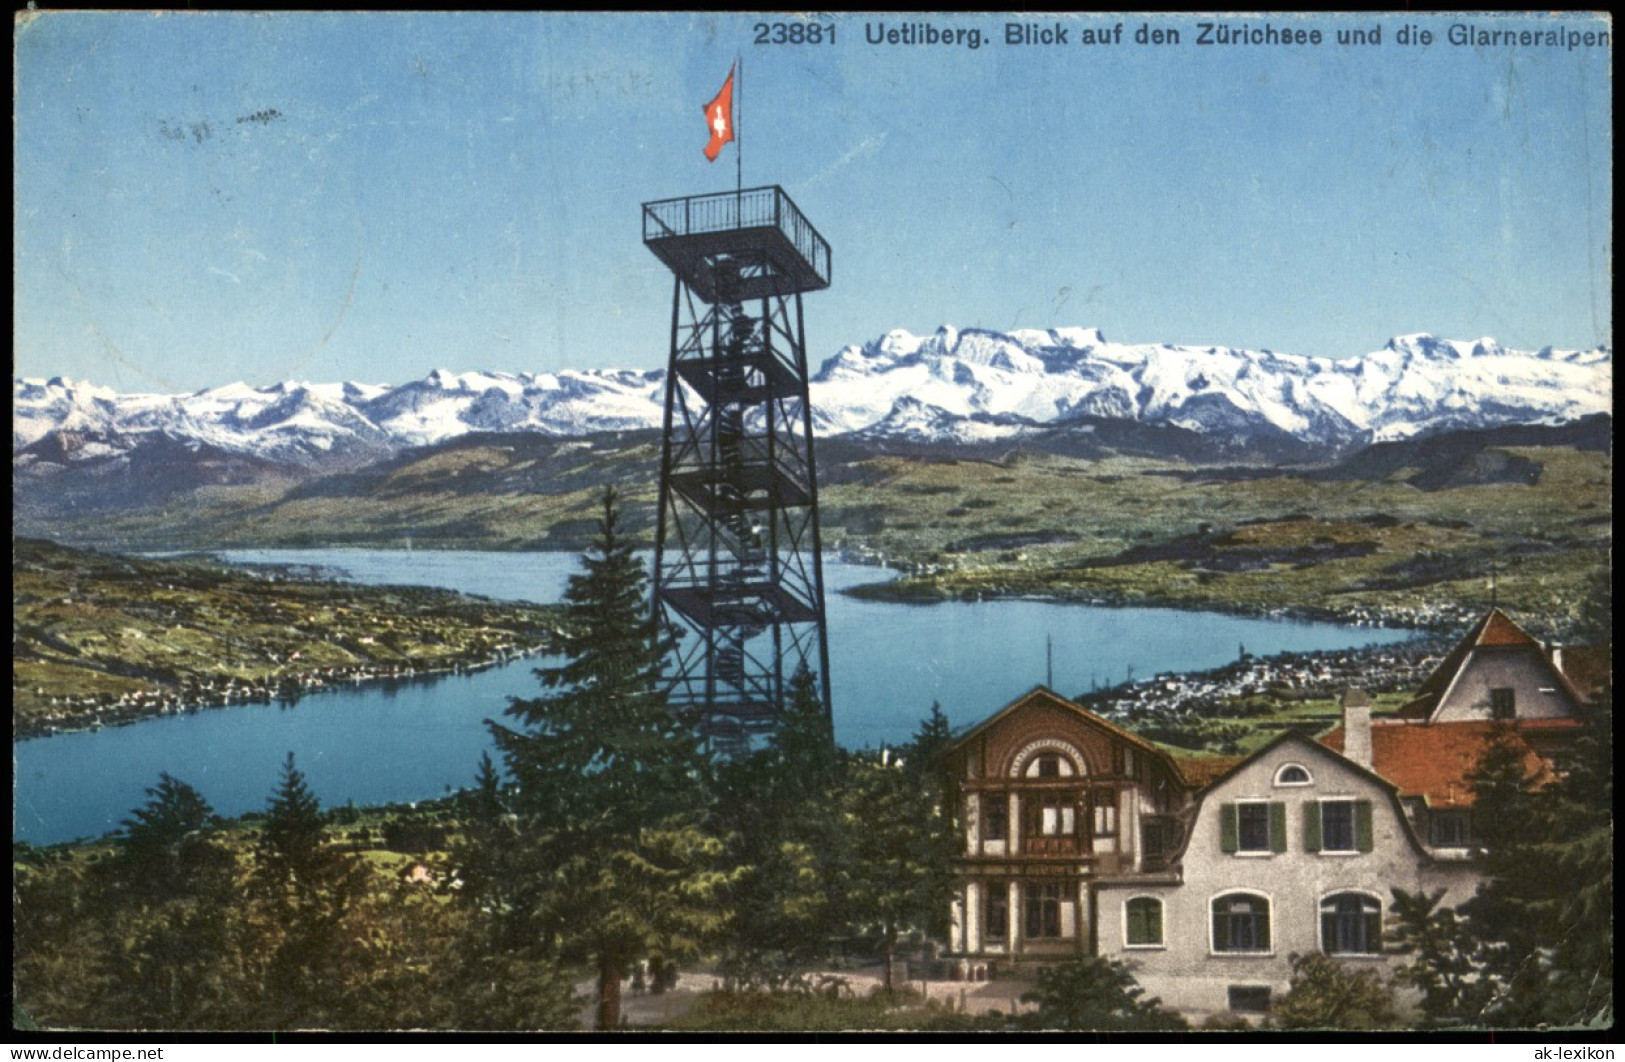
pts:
[1294, 850]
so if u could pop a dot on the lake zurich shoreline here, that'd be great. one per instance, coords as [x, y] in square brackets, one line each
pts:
[371, 741]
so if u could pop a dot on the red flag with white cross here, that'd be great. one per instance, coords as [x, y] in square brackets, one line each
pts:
[719, 118]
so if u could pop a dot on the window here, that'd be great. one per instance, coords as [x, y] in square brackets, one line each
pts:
[1056, 815]
[1157, 838]
[1241, 922]
[996, 912]
[995, 817]
[1337, 826]
[1503, 703]
[1254, 835]
[1250, 999]
[1350, 924]
[1293, 774]
[1043, 911]
[1450, 829]
[1105, 813]
[1143, 915]
[1048, 765]
[1252, 827]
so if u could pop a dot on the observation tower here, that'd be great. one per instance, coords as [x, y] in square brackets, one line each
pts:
[737, 565]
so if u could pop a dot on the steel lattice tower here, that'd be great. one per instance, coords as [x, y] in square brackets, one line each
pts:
[737, 566]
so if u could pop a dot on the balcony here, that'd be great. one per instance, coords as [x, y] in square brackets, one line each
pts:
[762, 227]
[1054, 846]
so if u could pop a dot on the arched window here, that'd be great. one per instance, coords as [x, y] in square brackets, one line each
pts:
[1350, 924]
[1050, 765]
[1241, 922]
[1293, 774]
[1143, 922]
[1047, 758]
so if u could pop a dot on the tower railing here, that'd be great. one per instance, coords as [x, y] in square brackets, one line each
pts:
[753, 208]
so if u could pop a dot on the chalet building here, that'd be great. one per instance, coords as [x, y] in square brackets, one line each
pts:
[1054, 800]
[1205, 876]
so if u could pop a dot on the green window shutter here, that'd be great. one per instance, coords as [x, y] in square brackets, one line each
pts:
[1373, 932]
[1136, 922]
[1153, 921]
[1227, 827]
[1311, 825]
[1362, 825]
[1221, 926]
[1261, 918]
[1277, 827]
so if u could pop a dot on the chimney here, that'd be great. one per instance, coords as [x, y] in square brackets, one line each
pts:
[1357, 727]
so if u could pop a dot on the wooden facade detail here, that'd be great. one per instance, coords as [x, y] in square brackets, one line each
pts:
[1054, 799]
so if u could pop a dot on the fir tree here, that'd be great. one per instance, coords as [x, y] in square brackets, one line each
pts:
[777, 807]
[903, 840]
[308, 887]
[1446, 958]
[166, 848]
[168, 921]
[1095, 994]
[1534, 944]
[610, 784]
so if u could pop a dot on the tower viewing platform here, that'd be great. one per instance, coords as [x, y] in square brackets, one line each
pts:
[688, 234]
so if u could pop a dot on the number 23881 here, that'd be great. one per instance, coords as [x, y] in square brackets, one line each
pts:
[794, 33]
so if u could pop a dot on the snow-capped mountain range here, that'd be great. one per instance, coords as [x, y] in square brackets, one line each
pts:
[958, 385]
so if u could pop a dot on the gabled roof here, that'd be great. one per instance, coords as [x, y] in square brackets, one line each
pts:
[1044, 695]
[1432, 762]
[1495, 631]
[1294, 737]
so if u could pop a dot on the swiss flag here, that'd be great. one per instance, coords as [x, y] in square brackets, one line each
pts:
[719, 118]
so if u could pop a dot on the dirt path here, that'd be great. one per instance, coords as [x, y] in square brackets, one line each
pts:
[645, 1009]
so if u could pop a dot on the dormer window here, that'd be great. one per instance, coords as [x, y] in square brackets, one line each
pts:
[1503, 703]
[1293, 774]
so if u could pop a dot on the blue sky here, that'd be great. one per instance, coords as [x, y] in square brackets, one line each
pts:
[203, 198]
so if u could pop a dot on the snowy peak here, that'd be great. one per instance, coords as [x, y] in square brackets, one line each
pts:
[954, 385]
[1416, 384]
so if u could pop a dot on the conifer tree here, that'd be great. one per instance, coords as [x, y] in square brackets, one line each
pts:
[610, 783]
[903, 840]
[170, 899]
[1095, 994]
[166, 850]
[779, 810]
[308, 887]
[1534, 944]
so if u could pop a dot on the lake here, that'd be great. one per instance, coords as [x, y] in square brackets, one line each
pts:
[415, 739]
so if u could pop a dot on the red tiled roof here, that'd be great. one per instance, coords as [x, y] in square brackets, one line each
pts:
[1433, 761]
[1494, 629]
[1498, 629]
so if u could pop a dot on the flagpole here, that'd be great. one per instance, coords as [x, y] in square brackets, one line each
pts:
[739, 141]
